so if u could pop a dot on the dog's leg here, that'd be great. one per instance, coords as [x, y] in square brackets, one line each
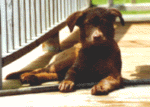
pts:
[107, 84]
[25, 77]
[58, 62]
[68, 83]
[16, 75]
[36, 79]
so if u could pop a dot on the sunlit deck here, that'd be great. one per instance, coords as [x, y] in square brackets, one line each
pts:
[134, 42]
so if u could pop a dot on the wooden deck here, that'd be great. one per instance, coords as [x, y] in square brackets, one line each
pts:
[134, 42]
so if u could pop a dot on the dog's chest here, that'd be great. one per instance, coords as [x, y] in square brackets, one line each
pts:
[95, 63]
[95, 54]
[96, 59]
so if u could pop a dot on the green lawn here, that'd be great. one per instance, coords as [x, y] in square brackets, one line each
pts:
[118, 1]
[135, 12]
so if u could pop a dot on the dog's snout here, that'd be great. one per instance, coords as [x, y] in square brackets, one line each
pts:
[98, 35]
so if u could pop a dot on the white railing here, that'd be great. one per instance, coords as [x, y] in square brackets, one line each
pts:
[24, 21]
[27, 23]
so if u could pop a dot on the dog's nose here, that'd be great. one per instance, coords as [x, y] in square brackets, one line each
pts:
[98, 36]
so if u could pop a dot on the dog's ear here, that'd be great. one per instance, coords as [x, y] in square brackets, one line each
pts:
[117, 13]
[73, 19]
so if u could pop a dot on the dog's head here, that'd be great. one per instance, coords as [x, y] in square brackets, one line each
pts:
[96, 24]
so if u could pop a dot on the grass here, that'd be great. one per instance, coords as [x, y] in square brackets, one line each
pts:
[135, 12]
[118, 1]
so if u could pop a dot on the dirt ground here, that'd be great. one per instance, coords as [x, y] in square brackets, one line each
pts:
[134, 42]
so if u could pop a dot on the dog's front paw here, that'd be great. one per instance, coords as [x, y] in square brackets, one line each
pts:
[24, 77]
[66, 86]
[29, 78]
[99, 90]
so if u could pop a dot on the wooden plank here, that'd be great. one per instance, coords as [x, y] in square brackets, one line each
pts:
[59, 10]
[28, 21]
[22, 22]
[55, 10]
[69, 7]
[133, 1]
[33, 18]
[3, 25]
[0, 52]
[63, 9]
[66, 9]
[19, 24]
[110, 3]
[75, 6]
[38, 17]
[79, 4]
[47, 14]
[51, 13]
[10, 28]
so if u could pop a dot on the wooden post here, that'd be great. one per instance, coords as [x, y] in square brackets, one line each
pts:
[0, 53]
[91, 5]
[52, 44]
[10, 29]
[0, 61]
[133, 1]
[110, 3]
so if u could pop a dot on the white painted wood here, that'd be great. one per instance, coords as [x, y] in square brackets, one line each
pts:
[63, 9]
[55, 12]
[28, 21]
[66, 9]
[43, 13]
[38, 17]
[51, 13]
[10, 28]
[33, 18]
[47, 14]
[0, 53]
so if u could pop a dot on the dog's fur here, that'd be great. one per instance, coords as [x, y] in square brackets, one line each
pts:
[96, 58]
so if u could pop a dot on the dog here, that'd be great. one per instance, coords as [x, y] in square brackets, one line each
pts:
[96, 58]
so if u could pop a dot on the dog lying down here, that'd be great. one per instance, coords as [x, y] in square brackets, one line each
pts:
[96, 59]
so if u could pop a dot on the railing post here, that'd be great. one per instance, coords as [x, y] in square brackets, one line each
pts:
[0, 52]
[110, 3]
[133, 1]
[91, 5]
[52, 44]
[0, 63]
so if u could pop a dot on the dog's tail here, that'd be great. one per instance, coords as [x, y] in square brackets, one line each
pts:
[117, 13]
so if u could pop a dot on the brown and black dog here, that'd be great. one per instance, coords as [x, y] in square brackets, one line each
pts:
[96, 58]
